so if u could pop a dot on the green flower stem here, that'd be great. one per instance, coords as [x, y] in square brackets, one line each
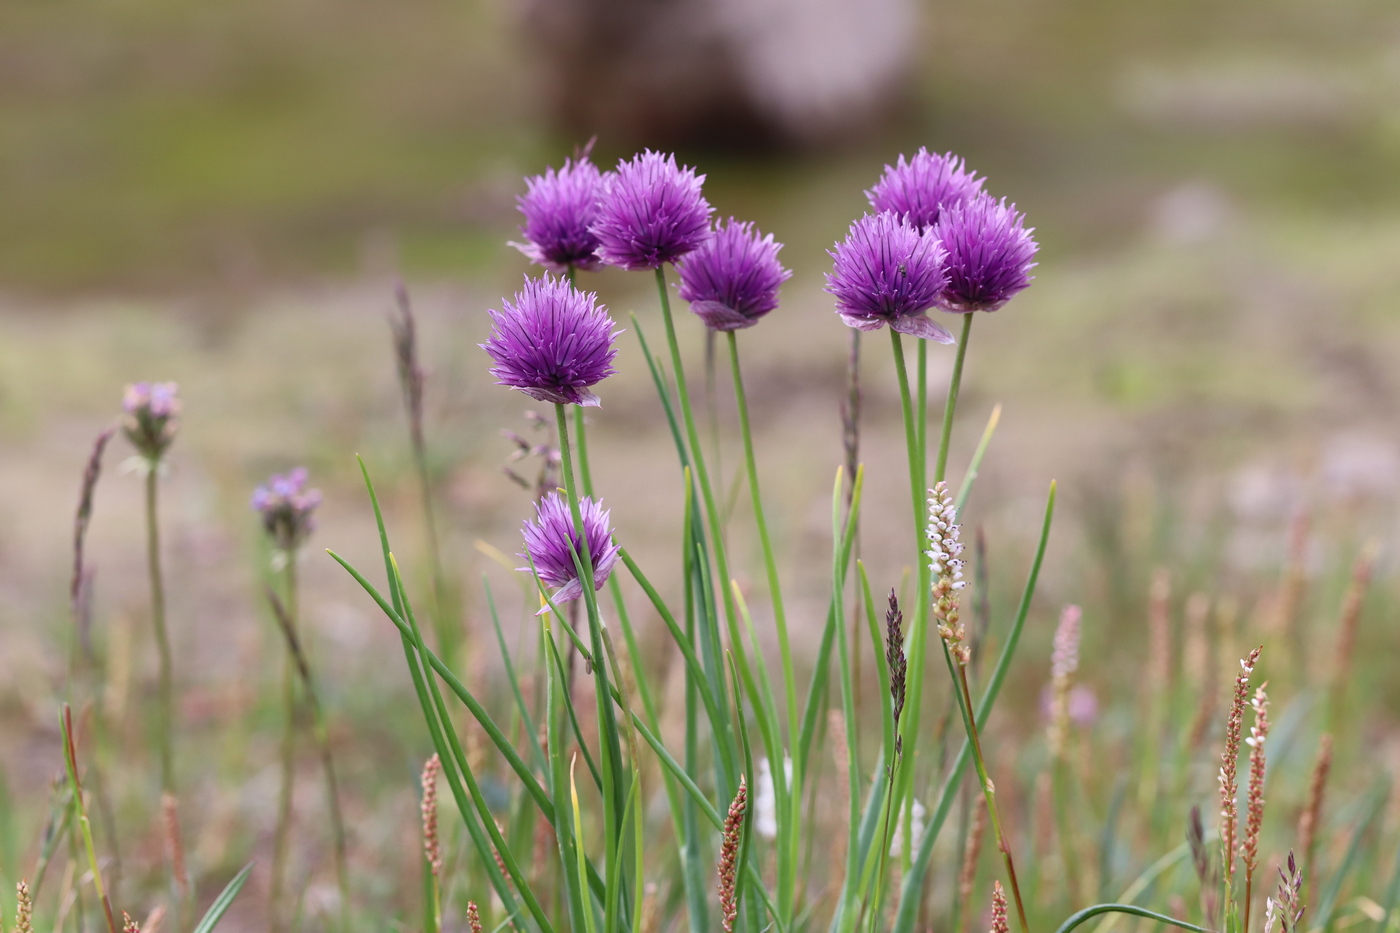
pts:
[770, 562]
[614, 779]
[166, 691]
[711, 510]
[282, 833]
[786, 848]
[950, 406]
[919, 648]
[580, 432]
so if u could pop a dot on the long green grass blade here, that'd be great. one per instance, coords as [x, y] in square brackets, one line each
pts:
[221, 904]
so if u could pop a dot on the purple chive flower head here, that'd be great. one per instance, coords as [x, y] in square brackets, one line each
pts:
[732, 280]
[151, 416]
[920, 187]
[285, 505]
[650, 213]
[550, 537]
[554, 343]
[990, 254]
[888, 272]
[558, 207]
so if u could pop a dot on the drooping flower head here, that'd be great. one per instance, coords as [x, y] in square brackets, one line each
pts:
[554, 343]
[151, 416]
[919, 188]
[732, 280]
[990, 254]
[285, 505]
[888, 272]
[558, 208]
[551, 536]
[650, 212]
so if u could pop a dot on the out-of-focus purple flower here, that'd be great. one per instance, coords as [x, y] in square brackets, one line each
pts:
[650, 212]
[549, 538]
[558, 208]
[919, 188]
[732, 280]
[990, 254]
[888, 272]
[553, 343]
[151, 416]
[286, 506]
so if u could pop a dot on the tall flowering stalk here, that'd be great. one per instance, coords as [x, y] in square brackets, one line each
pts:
[945, 565]
[1254, 817]
[554, 343]
[1064, 662]
[1229, 786]
[412, 377]
[151, 421]
[732, 837]
[432, 844]
[286, 510]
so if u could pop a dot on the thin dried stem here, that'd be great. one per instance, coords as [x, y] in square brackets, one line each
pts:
[1311, 817]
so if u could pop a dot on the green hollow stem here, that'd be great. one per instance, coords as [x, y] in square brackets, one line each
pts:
[166, 691]
[951, 404]
[282, 833]
[697, 459]
[614, 792]
[765, 540]
[585, 473]
[919, 642]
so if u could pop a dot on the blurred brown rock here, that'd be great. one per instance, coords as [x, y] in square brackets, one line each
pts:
[723, 73]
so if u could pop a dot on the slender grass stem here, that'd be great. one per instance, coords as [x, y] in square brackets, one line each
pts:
[165, 700]
[989, 792]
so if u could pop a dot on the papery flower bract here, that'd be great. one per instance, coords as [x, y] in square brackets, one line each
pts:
[650, 212]
[990, 254]
[551, 540]
[887, 272]
[150, 423]
[286, 506]
[559, 206]
[732, 279]
[919, 188]
[553, 343]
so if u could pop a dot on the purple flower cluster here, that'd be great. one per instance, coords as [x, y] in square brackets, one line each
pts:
[151, 417]
[917, 189]
[990, 254]
[732, 279]
[554, 343]
[888, 272]
[938, 241]
[551, 541]
[286, 506]
[559, 207]
[650, 212]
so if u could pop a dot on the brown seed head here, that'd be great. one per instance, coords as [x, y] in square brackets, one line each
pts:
[945, 563]
[1229, 788]
[999, 921]
[894, 656]
[473, 917]
[432, 845]
[1255, 817]
[1312, 813]
[729, 857]
[24, 909]
[1064, 661]
[129, 925]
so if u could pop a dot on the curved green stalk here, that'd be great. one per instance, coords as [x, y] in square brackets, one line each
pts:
[1088, 913]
